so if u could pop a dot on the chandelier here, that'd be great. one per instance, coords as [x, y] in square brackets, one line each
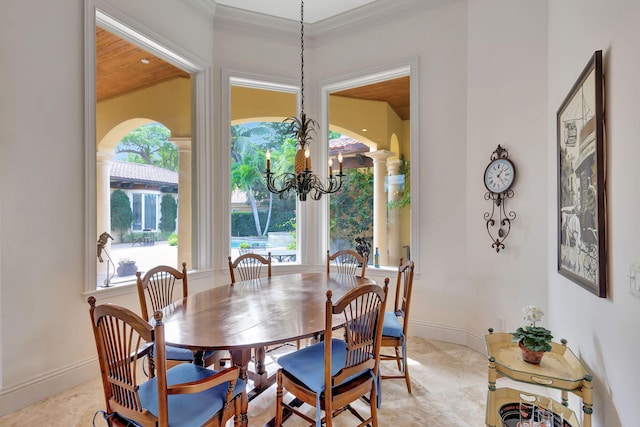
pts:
[303, 182]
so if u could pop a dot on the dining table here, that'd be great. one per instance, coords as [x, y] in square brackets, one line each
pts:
[254, 314]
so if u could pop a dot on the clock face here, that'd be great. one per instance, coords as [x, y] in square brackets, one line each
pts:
[499, 175]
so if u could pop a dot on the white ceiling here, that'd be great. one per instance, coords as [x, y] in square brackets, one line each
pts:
[314, 10]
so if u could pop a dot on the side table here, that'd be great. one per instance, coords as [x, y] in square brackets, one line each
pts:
[560, 369]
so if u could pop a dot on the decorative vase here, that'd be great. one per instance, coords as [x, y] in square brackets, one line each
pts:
[529, 356]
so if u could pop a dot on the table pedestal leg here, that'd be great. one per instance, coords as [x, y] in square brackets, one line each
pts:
[261, 382]
[241, 359]
[198, 357]
[260, 378]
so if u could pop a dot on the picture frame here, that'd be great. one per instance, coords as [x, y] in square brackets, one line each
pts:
[582, 243]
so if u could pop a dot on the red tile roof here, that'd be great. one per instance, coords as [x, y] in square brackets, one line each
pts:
[142, 173]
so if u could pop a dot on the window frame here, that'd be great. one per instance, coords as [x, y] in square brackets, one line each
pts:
[406, 67]
[98, 12]
[250, 80]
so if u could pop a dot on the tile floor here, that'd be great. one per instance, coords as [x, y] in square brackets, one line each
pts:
[449, 389]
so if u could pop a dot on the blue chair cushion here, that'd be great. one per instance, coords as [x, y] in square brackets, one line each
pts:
[307, 364]
[177, 353]
[188, 409]
[391, 326]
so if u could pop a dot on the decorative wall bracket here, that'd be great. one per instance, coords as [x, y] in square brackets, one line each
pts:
[498, 179]
[498, 218]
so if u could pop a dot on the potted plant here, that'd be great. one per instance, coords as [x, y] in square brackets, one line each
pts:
[533, 340]
[126, 267]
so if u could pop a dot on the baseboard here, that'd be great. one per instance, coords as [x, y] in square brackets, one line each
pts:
[17, 396]
[432, 331]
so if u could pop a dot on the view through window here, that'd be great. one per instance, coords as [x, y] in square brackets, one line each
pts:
[370, 124]
[143, 144]
[143, 203]
[261, 222]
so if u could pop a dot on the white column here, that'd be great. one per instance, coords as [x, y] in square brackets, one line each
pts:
[393, 228]
[185, 244]
[380, 204]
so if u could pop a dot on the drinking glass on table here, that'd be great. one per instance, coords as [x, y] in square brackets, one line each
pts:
[527, 410]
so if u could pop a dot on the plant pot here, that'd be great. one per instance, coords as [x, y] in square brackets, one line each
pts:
[127, 269]
[529, 356]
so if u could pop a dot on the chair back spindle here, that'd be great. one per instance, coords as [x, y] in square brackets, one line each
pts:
[347, 261]
[249, 267]
[156, 288]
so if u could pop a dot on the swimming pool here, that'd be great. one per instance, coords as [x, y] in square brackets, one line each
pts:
[235, 242]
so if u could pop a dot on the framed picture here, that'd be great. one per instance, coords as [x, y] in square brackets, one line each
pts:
[582, 254]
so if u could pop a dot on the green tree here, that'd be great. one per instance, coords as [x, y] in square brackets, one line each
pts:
[149, 144]
[249, 143]
[245, 158]
[168, 213]
[352, 207]
[121, 214]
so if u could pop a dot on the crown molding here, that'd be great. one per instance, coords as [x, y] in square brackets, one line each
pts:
[239, 21]
[206, 6]
[284, 30]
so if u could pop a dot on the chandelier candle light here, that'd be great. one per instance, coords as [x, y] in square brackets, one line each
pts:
[303, 181]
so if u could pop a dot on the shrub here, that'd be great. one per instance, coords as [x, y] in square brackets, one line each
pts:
[121, 215]
[168, 213]
[172, 239]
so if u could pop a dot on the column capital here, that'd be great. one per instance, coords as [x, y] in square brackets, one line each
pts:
[379, 155]
[182, 142]
[105, 154]
[393, 166]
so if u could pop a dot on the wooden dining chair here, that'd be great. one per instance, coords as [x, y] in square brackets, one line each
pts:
[158, 288]
[249, 266]
[396, 324]
[332, 374]
[185, 395]
[347, 261]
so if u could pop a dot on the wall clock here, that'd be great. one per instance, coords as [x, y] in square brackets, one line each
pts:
[499, 177]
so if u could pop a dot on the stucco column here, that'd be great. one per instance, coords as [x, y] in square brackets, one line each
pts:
[380, 204]
[104, 159]
[185, 245]
[393, 227]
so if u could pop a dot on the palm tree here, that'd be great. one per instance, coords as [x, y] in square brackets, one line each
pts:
[245, 172]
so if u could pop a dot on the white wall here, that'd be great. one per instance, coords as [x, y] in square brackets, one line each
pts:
[507, 106]
[46, 342]
[437, 37]
[602, 332]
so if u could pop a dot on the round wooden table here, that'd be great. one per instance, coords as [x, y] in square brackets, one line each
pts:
[253, 314]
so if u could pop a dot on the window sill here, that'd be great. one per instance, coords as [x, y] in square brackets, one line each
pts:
[123, 288]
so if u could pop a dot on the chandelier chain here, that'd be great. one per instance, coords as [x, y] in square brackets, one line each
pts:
[302, 57]
[304, 182]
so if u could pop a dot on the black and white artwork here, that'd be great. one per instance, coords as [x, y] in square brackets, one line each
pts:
[581, 192]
